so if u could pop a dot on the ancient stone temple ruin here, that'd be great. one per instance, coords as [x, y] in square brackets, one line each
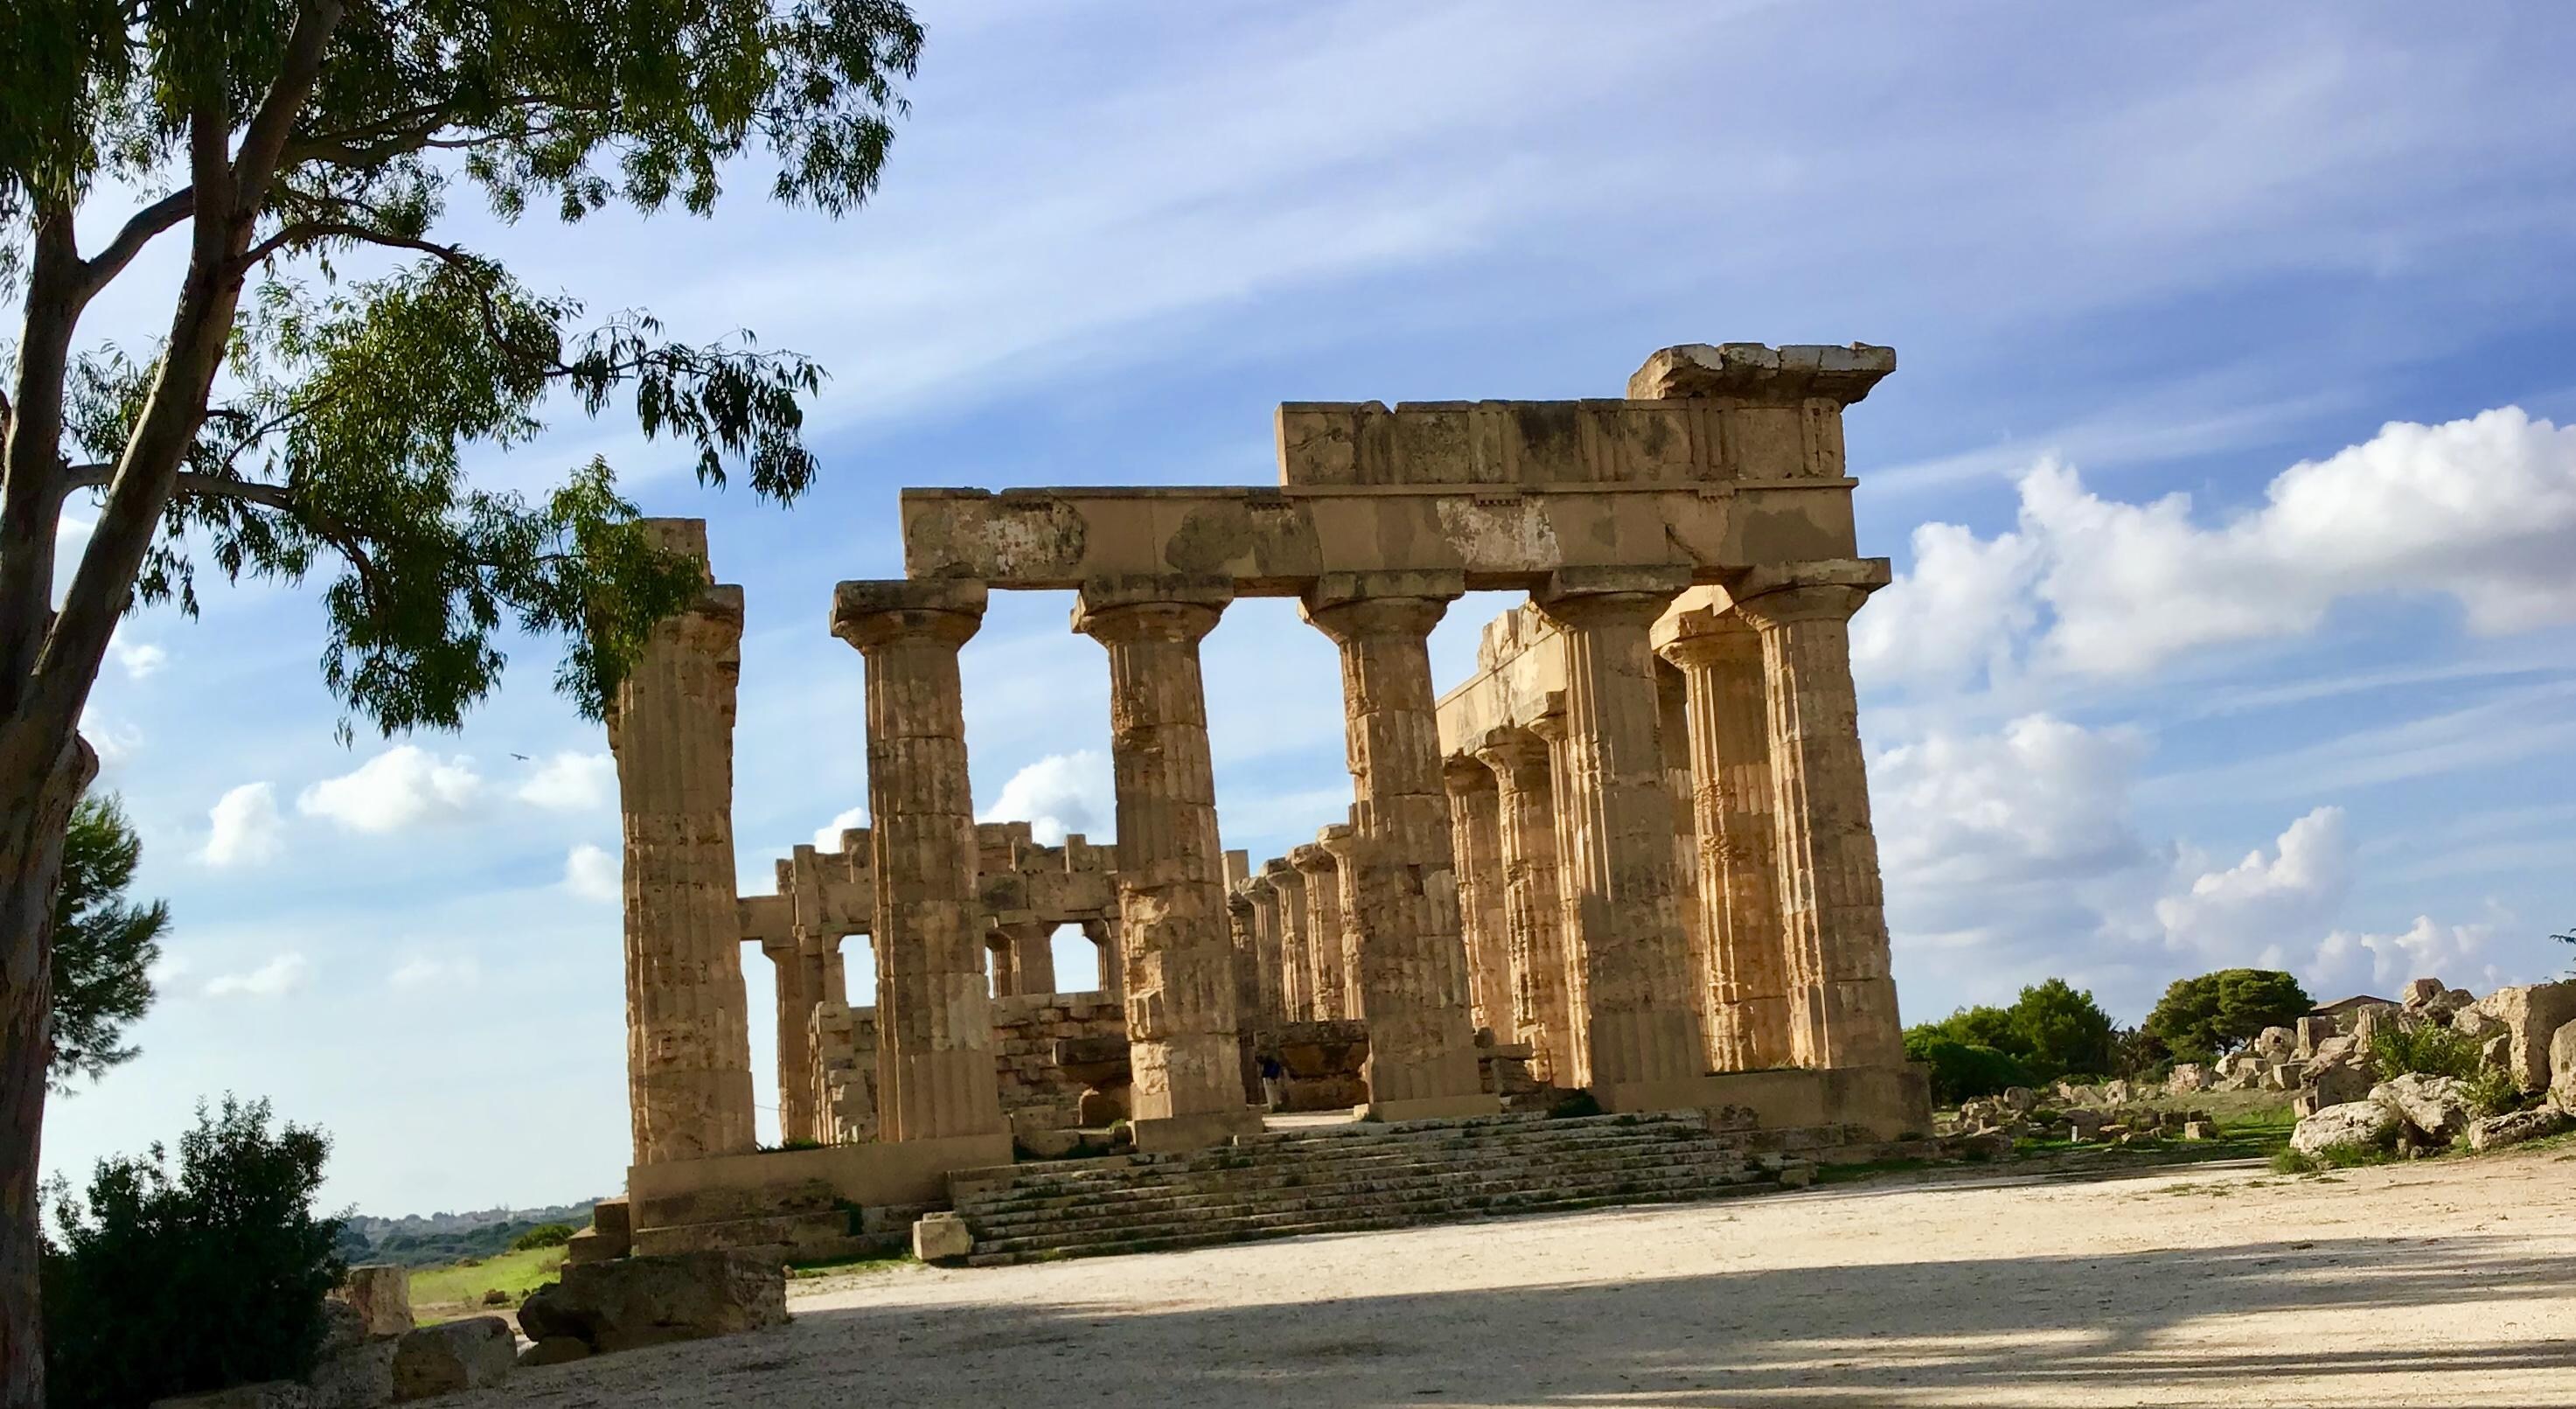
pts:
[1630, 859]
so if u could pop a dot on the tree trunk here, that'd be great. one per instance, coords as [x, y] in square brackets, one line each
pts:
[31, 863]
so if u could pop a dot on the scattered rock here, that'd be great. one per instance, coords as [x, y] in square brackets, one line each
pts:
[2276, 1044]
[381, 1293]
[2434, 1107]
[2187, 1078]
[454, 1355]
[1053, 1143]
[2497, 1131]
[1797, 1174]
[2199, 1130]
[2562, 1063]
[2366, 1124]
[654, 1300]
[554, 1350]
[2020, 1098]
[494, 1296]
[2421, 992]
[2532, 1015]
[2475, 1022]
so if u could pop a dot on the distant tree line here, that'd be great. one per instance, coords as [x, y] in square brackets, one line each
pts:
[2055, 1030]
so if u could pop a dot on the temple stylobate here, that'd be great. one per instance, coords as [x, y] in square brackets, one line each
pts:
[1631, 857]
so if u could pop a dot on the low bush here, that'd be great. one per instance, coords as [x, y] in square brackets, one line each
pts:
[2426, 1049]
[2493, 1091]
[1962, 1071]
[544, 1235]
[177, 1281]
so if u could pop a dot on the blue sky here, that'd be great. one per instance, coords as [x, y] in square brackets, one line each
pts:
[2223, 472]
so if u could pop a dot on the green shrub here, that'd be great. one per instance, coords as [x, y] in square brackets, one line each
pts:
[544, 1235]
[2493, 1091]
[2426, 1049]
[170, 1282]
[1962, 1071]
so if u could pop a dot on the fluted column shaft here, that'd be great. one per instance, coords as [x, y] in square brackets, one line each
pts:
[1573, 1059]
[935, 1074]
[1842, 1008]
[1292, 971]
[1672, 697]
[688, 1034]
[1171, 870]
[1269, 998]
[795, 1001]
[1532, 914]
[1641, 1009]
[1027, 949]
[1403, 885]
[1730, 746]
[1476, 851]
[1320, 884]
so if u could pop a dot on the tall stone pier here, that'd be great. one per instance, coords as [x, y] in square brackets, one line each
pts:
[688, 1039]
[1532, 914]
[1172, 920]
[935, 1073]
[1411, 951]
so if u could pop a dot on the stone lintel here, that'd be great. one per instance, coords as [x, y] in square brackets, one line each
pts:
[1335, 589]
[768, 921]
[1238, 867]
[1789, 374]
[1573, 582]
[1866, 574]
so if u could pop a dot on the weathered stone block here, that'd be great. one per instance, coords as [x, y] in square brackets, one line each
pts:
[2532, 1015]
[655, 1300]
[381, 1295]
[452, 1356]
[2512, 1128]
[2562, 1066]
[2436, 1106]
[2366, 1124]
[942, 1238]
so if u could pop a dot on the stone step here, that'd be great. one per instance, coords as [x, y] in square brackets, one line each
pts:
[1452, 1187]
[1201, 1232]
[810, 1236]
[1075, 1173]
[1305, 1181]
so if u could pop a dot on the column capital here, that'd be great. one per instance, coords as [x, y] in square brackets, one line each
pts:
[1703, 628]
[1258, 887]
[1825, 589]
[1161, 608]
[1309, 860]
[1337, 840]
[1519, 754]
[1349, 604]
[1581, 598]
[1241, 901]
[1550, 723]
[874, 614]
[1753, 372]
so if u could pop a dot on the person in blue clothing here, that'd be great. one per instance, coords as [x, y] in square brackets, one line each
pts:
[1274, 1083]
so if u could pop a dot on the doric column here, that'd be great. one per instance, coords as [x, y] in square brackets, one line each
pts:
[795, 1007]
[935, 1075]
[1103, 935]
[1319, 884]
[1244, 923]
[1573, 1059]
[1339, 844]
[1532, 915]
[1641, 1009]
[1842, 1008]
[1412, 957]
[1292, 959]
[1171, 877]
[1475, 845]
[688, 1033]
[1269, 926]
[1672, 697]
[1720, 657]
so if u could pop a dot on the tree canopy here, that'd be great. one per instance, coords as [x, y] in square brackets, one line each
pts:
[2052, 1029]
[2200, 1019]
[104, 944]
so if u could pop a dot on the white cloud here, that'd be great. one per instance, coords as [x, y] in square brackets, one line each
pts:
[426, 972]
[828, 836]
[1059, 794]
[167, 970]
[593, 874]
[571, 782]
[283, 974]
[2481, 510]
[138, 661]
[244, 827]
[2267, 906]
[402, 785]
[2346, 962]
[2044, 799]
[115, 743]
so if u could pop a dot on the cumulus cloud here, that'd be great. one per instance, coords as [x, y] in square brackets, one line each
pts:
[281, 975]
[138, 661]
[2346, 962]
[593, 874]
[2270, 904]
[244, 827]
[2042, 800]
[1059, 794]
[115, 743]
[2481, 510]
[403, 785]
[571, 782]
[828, 836]
[425, 972]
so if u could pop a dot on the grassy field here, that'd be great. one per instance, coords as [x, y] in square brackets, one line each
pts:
[446, 1293]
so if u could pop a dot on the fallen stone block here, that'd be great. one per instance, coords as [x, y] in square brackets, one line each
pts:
[2512, 1128]
[469, 1354]
[2357, 1124]
[381, 1295]
[655, 1300]
[2532, 1015]
[2562, 1066]
[2435, 1107]
[942, 1238]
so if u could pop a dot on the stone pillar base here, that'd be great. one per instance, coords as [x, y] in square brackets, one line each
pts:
[1432, 1108]
[1176, 1134]
[1890, 1102]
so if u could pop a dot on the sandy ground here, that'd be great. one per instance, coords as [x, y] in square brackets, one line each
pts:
[2430, 1284]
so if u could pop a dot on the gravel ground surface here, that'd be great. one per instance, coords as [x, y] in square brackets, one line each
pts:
[2450, 1282]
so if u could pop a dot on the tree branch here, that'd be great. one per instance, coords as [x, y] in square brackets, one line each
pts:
[139, 231]
[250, 491]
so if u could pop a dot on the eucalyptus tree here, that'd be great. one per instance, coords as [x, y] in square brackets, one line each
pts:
[331, 353]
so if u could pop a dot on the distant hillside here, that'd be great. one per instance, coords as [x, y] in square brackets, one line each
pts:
[440, 1238]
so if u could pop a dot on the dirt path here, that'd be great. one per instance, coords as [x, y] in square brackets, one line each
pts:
[2430, 1284]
